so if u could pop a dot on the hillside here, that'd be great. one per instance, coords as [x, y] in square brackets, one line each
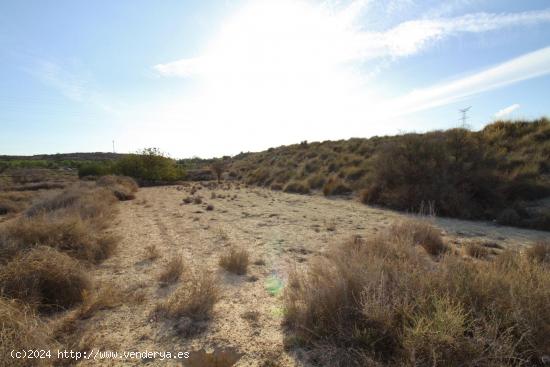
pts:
[495, 173]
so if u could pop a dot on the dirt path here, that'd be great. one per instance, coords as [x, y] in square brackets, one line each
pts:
[281, 229]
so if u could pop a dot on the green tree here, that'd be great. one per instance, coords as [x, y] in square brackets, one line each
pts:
[149, 164]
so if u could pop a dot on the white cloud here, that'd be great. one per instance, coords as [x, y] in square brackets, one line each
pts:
[507, 110]
[72, 82]
[283, 71]
[530, 65]
[52, 74]
[260, 30]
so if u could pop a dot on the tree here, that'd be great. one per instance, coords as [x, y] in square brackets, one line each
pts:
[149, 164]
[218, 167]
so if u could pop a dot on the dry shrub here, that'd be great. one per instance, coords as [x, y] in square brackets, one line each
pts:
[235, 261]
[37, 186]
[102, 298]
[70, 234]
[384, 302]
[194, 299]
[84, 201]
[8, 206]
[122, 187]
[335, 186]
[172, 272]
[20, 330]
[419, 233]
[474, 249]
[151, 252]
[13, 202]
[46, 278]
[276, 186]
[539, 252]
[298, 187]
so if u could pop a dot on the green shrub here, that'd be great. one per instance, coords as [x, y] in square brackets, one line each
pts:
[149, 165]
[95, 169]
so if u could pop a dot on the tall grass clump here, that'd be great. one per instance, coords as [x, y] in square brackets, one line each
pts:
[235, 261]
[194, 299]
[384, 301]
[21, 329]
[44, 277]
[122, 187]
[298, 187]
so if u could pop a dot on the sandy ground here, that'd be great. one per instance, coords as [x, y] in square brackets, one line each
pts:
[284, 230]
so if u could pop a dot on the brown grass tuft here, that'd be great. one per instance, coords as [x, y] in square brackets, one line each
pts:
[195, 299]
[419, 233]
[474, 249]
[21, 330]
[335, 186]
[381, 301]
[235, 261]
[46, 278]
[172, 272]
[79, 238]
[122, 187]
[298, 187]
[151, 252]
[539, 252]
[102, 298]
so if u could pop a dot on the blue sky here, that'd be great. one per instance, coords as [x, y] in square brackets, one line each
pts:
[210, 78]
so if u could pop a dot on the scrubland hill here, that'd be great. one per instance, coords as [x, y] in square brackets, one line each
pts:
[497, 173]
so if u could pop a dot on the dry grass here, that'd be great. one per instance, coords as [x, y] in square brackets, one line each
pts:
[84, 200]
[172, 272]
[476, 250]
[383, 302]
[20, 330]
[102, 298]
[79, 238]
[194, 299]
[298, 187]
[13, 202]
[235, 261]
[539, 252]
[419, 233]
[41, 268]
[335, 186]
[122, 187]
[46, 278]
[151, 252]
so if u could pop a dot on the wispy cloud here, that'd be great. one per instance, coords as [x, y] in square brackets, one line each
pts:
[52, 74]
[530, 65]
[72, 82]
[343, 42]
[507, 110]
[289, 65]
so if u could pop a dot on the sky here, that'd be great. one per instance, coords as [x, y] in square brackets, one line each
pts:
[211, 78]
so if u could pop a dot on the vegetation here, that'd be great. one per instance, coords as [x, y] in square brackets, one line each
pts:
[45, 254]
[385, 301]
[148, 166]
[195, 299]
[235, 261]
[172, 272]
[492, 174]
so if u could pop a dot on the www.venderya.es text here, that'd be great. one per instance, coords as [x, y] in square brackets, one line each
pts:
[95, 354]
